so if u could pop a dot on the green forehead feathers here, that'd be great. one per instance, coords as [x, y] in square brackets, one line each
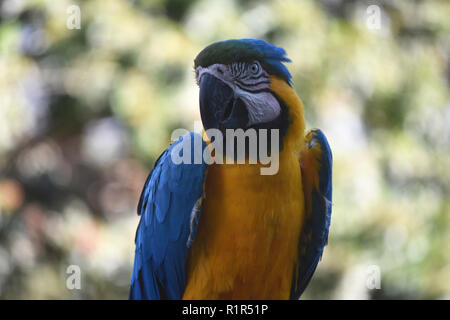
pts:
[246, 50]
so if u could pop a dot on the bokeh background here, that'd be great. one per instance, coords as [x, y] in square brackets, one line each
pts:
[85, 112]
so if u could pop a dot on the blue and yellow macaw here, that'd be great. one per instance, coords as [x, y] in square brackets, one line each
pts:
[224, 231]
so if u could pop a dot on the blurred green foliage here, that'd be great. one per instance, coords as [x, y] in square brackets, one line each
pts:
[85, 112]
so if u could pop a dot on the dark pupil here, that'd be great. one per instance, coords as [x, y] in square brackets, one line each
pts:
[254, 68]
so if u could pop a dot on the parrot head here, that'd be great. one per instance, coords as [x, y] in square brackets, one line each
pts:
[236, 79]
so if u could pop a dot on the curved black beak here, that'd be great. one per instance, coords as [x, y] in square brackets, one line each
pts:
[219, 108]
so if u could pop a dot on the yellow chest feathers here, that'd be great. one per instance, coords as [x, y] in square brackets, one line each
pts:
[246, 243]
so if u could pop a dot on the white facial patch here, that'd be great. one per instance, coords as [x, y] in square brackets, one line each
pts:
[251, 84]
[262, 107]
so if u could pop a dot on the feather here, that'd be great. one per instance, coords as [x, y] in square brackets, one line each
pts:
[167, 199]
[316, 164]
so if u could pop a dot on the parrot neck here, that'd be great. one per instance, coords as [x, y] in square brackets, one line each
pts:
[294, 140]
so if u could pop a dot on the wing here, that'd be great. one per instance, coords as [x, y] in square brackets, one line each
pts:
[316, 164]
[169, 208]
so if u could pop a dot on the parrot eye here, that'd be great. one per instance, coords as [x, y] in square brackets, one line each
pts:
[254, 68]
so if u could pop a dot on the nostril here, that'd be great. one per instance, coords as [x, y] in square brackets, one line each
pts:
[228, 110]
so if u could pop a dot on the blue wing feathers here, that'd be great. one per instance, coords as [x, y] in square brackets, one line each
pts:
[165, 206]
[314, 235]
